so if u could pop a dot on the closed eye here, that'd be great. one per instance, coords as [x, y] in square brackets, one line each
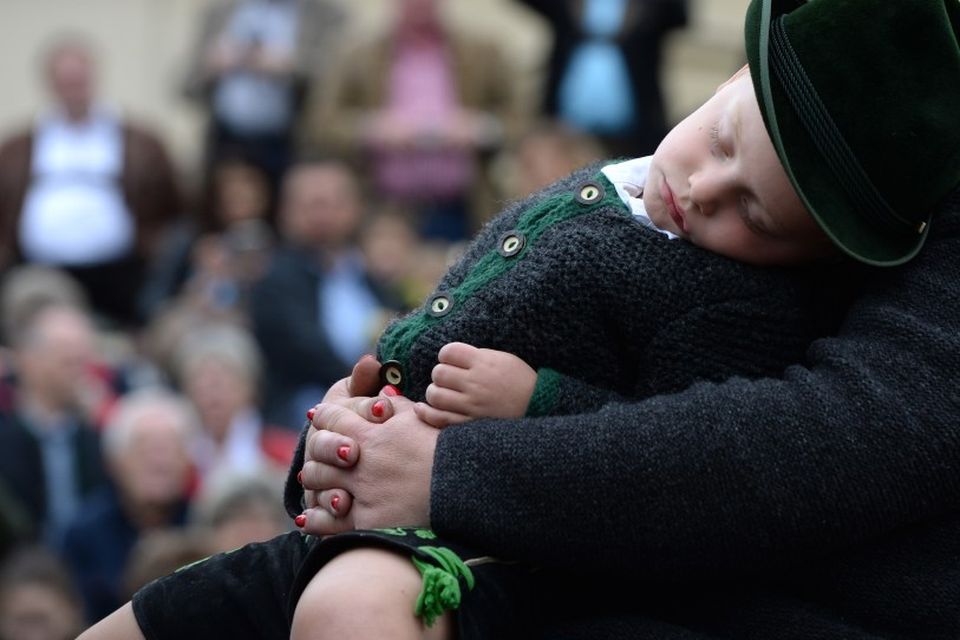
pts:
[743, 209]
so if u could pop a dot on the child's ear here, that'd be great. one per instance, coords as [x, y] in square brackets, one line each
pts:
[741, 71]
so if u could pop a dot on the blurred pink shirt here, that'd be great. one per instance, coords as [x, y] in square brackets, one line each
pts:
[422, 92]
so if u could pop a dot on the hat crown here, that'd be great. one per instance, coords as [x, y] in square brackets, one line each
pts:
[860, 100]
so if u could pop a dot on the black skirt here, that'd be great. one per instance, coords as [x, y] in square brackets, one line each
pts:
[252, 592]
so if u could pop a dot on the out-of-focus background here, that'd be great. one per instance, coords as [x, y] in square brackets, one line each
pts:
[209, 209]
[145, 47]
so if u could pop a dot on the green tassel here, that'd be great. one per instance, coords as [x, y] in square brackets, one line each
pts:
[441, 584]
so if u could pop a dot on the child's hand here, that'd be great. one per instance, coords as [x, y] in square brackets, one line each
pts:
[476, 383]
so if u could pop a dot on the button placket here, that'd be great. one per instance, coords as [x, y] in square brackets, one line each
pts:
[511, 243]
[589, 192]
[440, 305]
[391, 372]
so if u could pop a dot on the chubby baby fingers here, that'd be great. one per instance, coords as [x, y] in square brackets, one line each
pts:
[437, 417]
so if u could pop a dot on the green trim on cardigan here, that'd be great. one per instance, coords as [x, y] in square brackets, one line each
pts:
[545, 393]
[399, 338]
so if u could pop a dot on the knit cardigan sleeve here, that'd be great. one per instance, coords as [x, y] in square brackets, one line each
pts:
[741, 336]
[739, 476]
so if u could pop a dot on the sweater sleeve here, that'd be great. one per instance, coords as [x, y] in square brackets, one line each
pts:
[738, 476]
[559, 394]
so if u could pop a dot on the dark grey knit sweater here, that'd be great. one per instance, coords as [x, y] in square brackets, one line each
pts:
[604, 307]
[824, 504]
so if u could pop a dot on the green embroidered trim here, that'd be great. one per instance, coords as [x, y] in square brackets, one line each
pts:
[423, 534]
[398, 340]
[441, 583]
[191, 564]
[545, 393]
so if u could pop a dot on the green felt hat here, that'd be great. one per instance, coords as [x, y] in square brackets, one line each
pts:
[862, 101]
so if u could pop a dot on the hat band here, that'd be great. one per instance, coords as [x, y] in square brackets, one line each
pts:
[825, 135]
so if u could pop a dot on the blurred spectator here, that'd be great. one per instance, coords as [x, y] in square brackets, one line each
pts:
[253, 65]
[49, 449]
[146, 447]
[390, 246]
[604, 70]
[316, 311]
[16, 525]
[85, 189]
[25, 289]
[423, 104]
[160, 552]
[238, 508]
[544, 154]
[218, 367]
[233, 509]
[209, 264]
[38, 601]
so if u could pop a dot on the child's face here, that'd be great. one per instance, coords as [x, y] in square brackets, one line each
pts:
[716, 181]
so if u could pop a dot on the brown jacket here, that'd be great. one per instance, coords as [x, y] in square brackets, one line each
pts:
[148, 182]
[359, 85]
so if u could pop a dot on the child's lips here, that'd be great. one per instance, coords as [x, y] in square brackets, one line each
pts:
[667, 194]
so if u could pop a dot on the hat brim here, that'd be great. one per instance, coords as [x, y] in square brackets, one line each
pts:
[820, 192]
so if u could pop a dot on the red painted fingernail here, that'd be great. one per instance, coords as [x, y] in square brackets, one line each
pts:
[391, 390]
[334, 502]
[343, 452]
[310, 414]
[377, 408]
[300, 520]
[300, 477]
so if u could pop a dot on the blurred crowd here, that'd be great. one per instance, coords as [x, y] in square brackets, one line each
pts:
[163, 333]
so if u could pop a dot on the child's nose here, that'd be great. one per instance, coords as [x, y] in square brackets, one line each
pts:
[708, 190]
[701, 193]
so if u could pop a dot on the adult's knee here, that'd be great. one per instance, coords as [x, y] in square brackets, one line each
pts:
[359, 594]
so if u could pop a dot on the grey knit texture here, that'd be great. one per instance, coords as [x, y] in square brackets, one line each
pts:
[821, 504]
[620, 310]
[616, 309]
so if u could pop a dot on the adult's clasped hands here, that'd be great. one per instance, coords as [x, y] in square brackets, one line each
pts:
[368, 458]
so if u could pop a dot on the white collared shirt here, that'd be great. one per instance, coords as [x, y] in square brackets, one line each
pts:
[629, 178]
[74, 211]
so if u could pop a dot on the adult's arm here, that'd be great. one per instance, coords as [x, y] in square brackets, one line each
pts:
[739, 476]
[15, 162]
[720, 479]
